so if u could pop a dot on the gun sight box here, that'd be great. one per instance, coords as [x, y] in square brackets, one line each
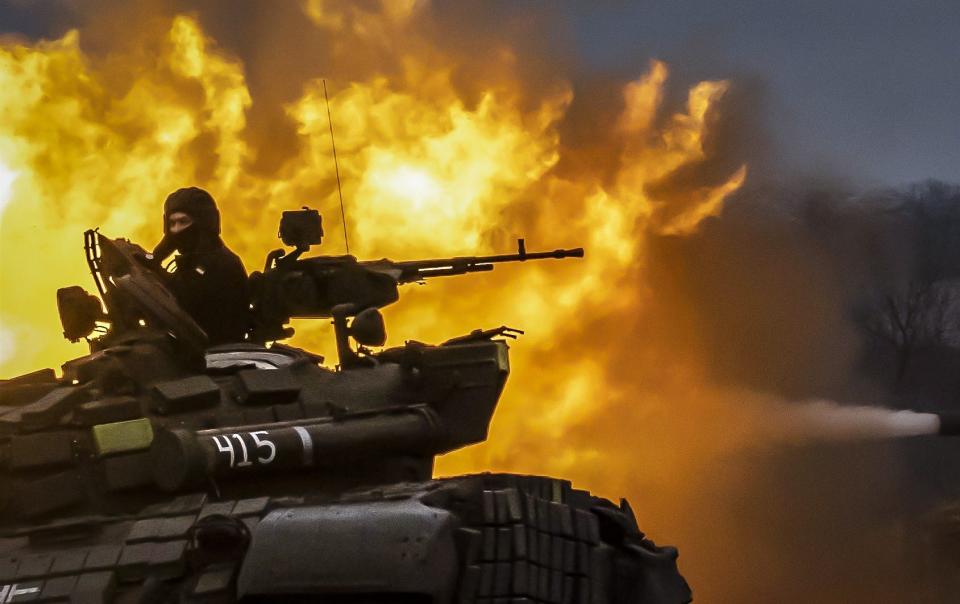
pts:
[301, 228]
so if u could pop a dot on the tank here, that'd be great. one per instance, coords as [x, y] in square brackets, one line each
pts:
[158, 469]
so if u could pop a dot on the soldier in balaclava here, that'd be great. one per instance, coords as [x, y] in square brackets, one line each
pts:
[209, 280]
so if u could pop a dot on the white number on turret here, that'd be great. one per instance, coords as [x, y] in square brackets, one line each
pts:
[235, 446]
[264, 444]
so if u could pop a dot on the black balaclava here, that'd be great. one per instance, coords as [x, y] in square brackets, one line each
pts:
[202, 234]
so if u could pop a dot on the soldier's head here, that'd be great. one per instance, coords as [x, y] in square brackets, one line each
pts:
[190, 219]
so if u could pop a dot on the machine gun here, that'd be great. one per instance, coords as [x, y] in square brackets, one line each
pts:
[340, 287]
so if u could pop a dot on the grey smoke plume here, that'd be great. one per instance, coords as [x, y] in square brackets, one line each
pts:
[828, 420]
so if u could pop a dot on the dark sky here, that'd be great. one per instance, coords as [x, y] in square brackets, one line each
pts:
[870, 88]
[863, 90]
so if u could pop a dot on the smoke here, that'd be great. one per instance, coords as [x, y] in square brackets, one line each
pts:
[827, 420]
[772, 291]
[662, 367]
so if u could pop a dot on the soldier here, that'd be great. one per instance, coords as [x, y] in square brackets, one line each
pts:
[209, 280]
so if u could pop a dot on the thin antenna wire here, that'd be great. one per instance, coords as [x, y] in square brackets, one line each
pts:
[336, 166]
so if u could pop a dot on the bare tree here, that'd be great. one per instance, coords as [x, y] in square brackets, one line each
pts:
[924, 314]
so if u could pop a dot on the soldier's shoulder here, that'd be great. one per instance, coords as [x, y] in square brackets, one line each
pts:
[231, 262]
[225, 257]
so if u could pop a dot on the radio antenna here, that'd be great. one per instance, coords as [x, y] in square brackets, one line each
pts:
[336, 166]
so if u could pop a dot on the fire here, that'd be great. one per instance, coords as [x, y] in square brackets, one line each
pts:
[7, 178]
[88, 155]
[431, 168]
[428, 169]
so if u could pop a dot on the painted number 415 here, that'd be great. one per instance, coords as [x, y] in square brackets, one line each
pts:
[239, 454]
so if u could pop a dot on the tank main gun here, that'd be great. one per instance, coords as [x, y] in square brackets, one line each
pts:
[948, 424]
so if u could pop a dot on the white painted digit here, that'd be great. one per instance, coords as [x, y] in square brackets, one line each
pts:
[264, 443]
[243, 449]
[265, 447]
[225, 447]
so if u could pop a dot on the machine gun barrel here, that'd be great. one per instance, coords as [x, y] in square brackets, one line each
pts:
[416, 270]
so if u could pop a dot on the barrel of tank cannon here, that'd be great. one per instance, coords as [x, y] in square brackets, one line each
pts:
[183, 458]
[949, 424]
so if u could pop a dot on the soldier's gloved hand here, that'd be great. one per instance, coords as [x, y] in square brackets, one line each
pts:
[148, 260]
[163, 250]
